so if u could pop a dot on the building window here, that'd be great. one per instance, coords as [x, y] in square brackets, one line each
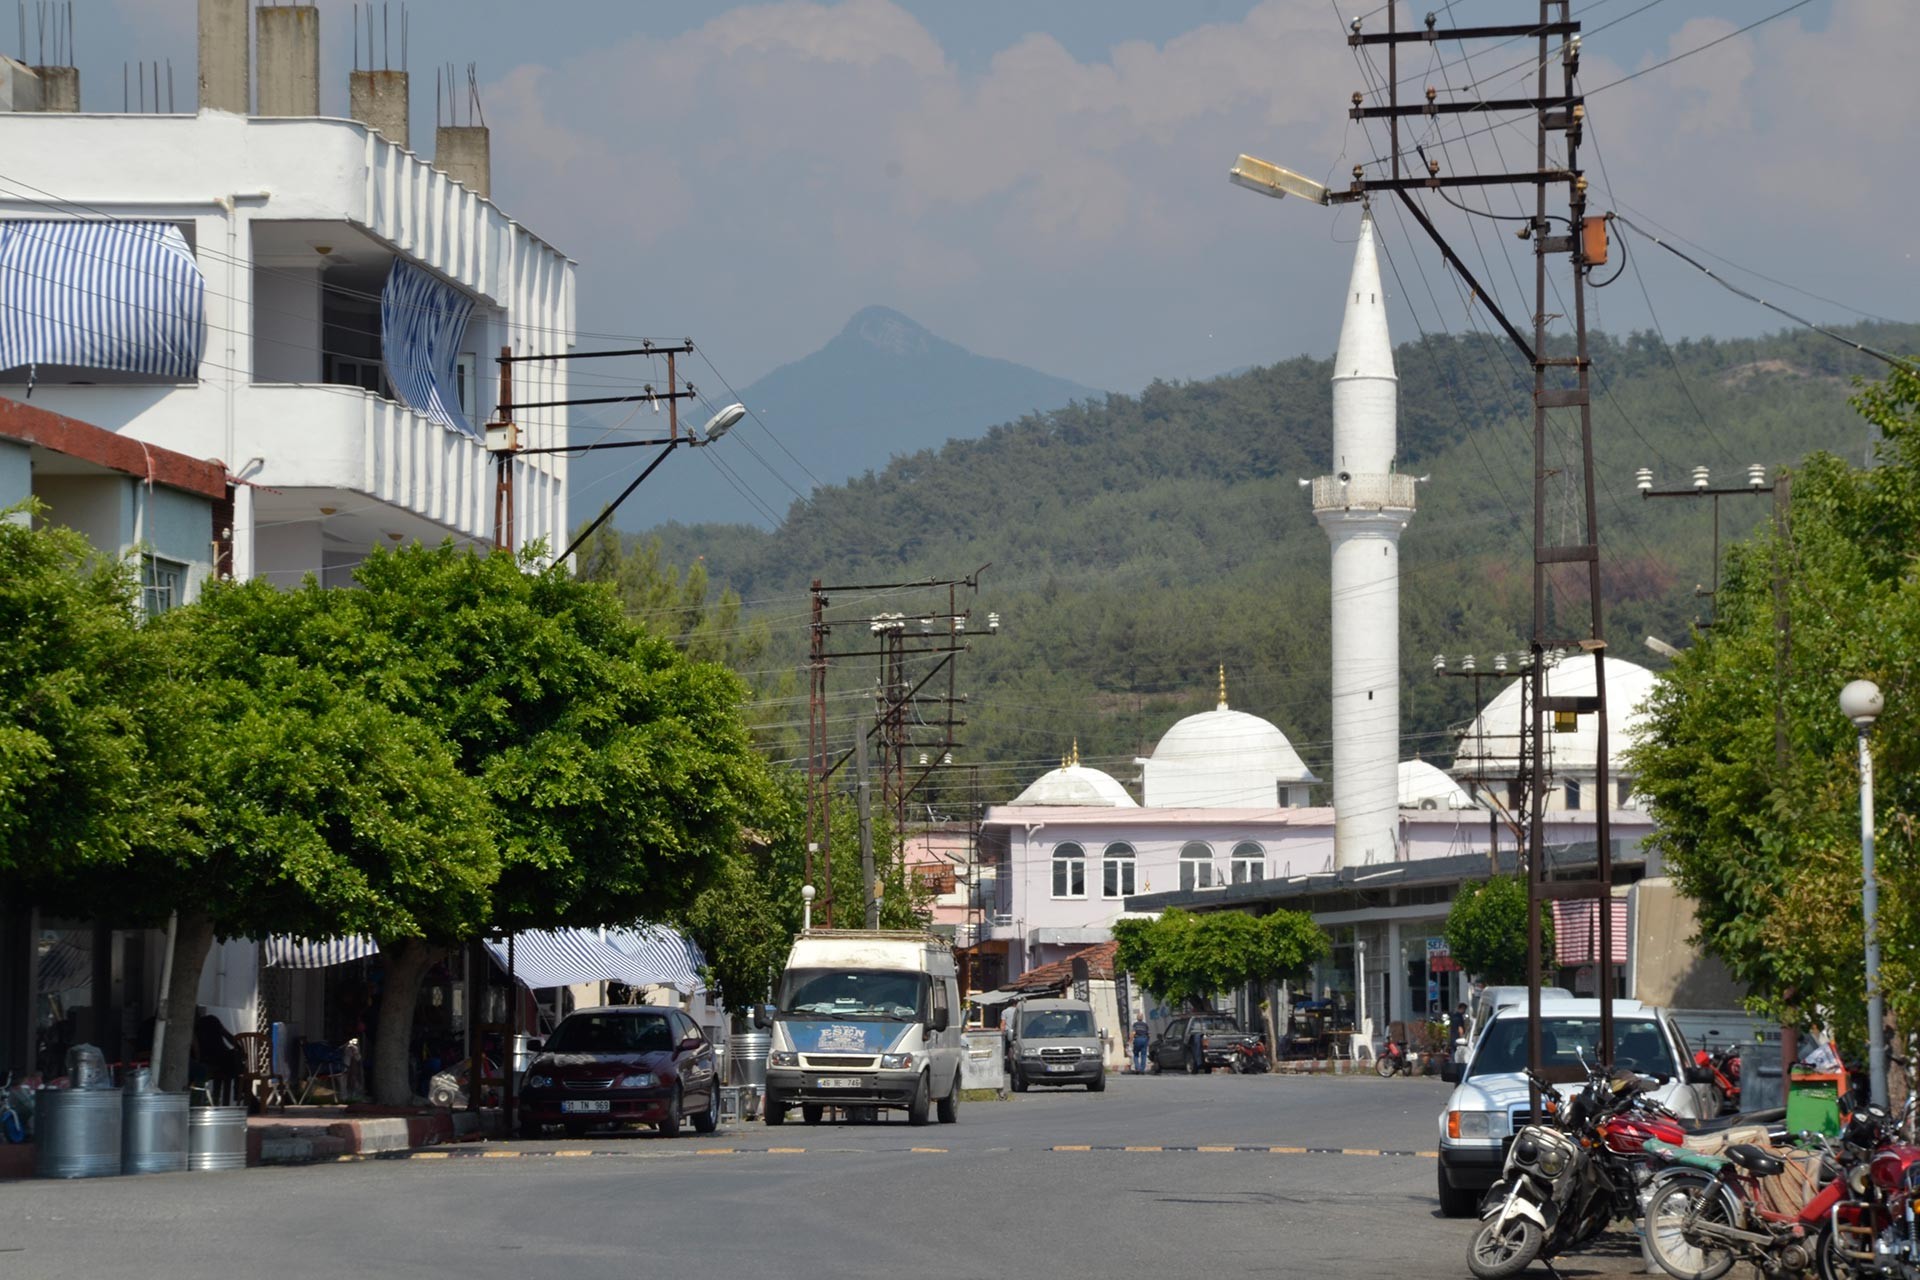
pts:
[1116, 871]
[163, 584]
[1626, 793]
[1573, 793]
[1196, 866]
[1249, 863]
[1069, 871]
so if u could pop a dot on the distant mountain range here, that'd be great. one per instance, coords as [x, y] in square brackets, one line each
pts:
[882, 387]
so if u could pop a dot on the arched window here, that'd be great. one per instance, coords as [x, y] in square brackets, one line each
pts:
[1249, 862]
[1069, 871]
[1116, 871]
[1196, 866]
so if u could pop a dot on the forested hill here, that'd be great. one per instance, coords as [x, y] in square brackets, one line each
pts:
[1139, 541]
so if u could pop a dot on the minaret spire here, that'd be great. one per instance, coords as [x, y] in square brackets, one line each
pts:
[1363, 506]
[1223, 687]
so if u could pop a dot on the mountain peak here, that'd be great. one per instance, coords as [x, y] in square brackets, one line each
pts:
[885, 329]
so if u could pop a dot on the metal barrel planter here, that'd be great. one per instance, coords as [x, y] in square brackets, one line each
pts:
[153, 1132]
[216, 1138]
[77, 1132]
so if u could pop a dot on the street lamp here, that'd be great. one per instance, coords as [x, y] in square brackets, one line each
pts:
[1861, 703]
[806, 908]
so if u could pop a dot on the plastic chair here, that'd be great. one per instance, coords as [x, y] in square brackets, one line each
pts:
[324, 1062]
[1362, 1041]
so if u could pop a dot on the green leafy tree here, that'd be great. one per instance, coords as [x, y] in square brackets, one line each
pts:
[617, 772]
[1771, 855]
[71, 675]
[1487, 930]
[1188, 958]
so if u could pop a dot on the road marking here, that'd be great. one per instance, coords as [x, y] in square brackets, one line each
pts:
[786, 1151]
[430, 1155]
[1216, 1148]
[499, 1155]
[1073, 1148]
[1143, 1148]
[1287, 1151]
[928, 1150]
[714, 1151]
[573, 1153]
[1358, 1151]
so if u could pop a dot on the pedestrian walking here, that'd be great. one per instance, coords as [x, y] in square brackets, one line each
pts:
[1139, 1046]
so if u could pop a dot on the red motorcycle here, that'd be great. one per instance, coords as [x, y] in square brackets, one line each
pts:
[1725, 1066]
[1249, 1057]
[1872, 1230]
[1392, 1058]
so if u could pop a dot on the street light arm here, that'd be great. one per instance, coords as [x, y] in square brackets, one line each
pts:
[608, 510]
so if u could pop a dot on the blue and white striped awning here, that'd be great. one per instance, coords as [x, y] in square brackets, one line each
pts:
[301, 953]
[641, 956]
[422, 323]
[101, 295]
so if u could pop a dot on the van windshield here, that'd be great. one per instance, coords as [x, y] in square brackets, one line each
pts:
[1566, 1042]
[1047, 1024]
[852, 993]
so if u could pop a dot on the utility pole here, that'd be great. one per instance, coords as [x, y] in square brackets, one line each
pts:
[1703, 487]
[902, 707]
[865, 794]
[1561, 382]
[1468, 670]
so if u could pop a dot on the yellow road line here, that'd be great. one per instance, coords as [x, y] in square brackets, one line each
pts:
[786, 1151]
[929, 1150]
[499, 1155]
[1074, 1148]
[1287, 1151]
[714, 1151]
[1358, 1151]
[1143, 1148]
[1431, 1155]
[1216, 1148]
[430, 1155]
[573, 1153]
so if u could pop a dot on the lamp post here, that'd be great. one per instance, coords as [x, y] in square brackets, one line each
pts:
[1861, 703]
[806, 908]
[718, 425]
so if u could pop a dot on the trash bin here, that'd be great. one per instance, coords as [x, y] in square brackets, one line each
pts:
[78, 1133]
[153, 1132]
[1813, 1102]
[216, 1138]
[1761, 1088]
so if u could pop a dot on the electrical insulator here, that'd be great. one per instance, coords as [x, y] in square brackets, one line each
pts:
[1757, 476]
[1643, 479]
[1700, 480]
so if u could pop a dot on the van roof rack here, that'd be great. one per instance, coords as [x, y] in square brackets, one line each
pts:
[892, 935]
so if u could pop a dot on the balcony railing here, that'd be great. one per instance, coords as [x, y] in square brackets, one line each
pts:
[1364, 493]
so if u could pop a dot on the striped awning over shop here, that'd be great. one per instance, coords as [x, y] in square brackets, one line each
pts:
[640, 956]
[302, 953]
[423, 320]
[1576, 932]
[101, 295]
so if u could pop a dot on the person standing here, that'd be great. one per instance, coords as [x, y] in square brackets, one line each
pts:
[1140, 1046]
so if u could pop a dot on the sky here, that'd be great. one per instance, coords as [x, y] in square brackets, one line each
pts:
[1046, 182]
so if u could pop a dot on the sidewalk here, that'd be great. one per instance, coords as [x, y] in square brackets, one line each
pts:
[302, 1135]
[307, 1135]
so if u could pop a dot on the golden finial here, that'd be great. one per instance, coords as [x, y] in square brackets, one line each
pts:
[1076, 751]
[1223, 686]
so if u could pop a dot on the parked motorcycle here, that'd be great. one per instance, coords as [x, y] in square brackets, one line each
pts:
[1724, 1064]
[1249, 1057]
[1770, 1208]
[1567, 1175]
[1393, 1058]
[1871, 1231]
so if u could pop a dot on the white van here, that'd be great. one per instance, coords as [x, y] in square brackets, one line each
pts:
[866, 1018]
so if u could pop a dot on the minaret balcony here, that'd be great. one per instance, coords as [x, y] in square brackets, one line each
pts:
[1363, 493]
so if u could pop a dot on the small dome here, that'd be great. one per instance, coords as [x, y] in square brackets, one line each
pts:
[1422, 786]
[1491, 744]
[1076, 784]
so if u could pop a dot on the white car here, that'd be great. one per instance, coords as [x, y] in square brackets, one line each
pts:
[1490, 1099]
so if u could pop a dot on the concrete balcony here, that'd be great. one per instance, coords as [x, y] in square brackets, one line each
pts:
[1364, 493]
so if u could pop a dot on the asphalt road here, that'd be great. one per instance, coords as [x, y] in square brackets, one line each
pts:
[1168, 1175]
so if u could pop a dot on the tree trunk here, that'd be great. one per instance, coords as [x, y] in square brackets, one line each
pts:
[405, 961]
[192, 940]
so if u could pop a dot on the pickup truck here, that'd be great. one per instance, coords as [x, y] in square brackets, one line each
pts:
[1214, 1035]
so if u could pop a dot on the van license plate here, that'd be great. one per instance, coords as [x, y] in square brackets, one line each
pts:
[596, 1104]
[839, 1082]
[1059, 1066]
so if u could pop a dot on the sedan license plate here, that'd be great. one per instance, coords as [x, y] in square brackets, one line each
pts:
[839, 1082]
[593, 1104]
[1059, 1066]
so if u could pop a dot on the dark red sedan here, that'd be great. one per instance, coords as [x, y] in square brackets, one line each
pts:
[630, 1064]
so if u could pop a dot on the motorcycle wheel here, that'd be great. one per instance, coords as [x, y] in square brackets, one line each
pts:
[1499, 1252]
[1668, 1244]
[1384, 1064]
[1237, 1064]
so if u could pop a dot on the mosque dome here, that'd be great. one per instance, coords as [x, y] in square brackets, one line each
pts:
[1491, 744]
[1422, 786]
[1225, 759]
[1076, 784]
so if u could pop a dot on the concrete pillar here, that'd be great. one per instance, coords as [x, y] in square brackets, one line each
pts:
[59, 88]
[289, 37]
[225, 53]
[463, 153]
[378, 99]
[19, 86]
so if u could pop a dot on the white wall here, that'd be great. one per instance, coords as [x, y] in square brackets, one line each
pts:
[286, 325]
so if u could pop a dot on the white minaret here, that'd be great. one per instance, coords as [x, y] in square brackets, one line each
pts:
[1363, 507]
